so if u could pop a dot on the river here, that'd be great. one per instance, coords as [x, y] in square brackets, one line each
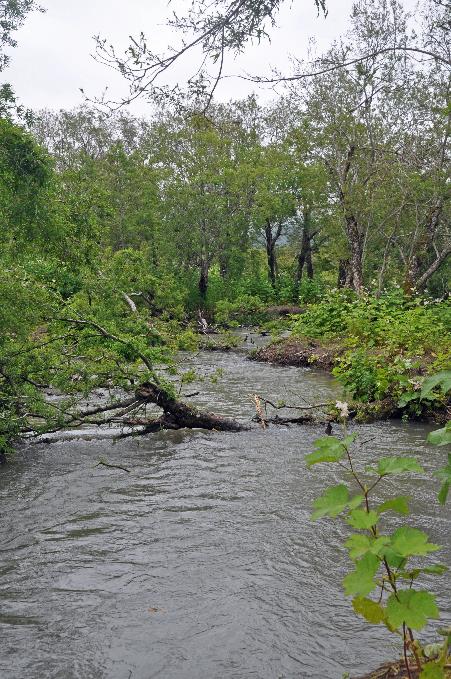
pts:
[202, 562]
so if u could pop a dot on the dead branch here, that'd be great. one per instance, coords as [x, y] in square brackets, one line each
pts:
[259, 417]
[102, 463]
[130, 302]
[283, 406]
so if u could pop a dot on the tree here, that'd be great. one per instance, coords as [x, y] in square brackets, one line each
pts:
[12, 16]
[216, 27]
[271, 186]
[223, 26]
[201, 209]
[364, 121]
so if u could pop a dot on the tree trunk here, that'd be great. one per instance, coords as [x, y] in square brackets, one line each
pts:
[354, 235]
[355, 239]
[203, 279]
[344, 274]
[271, 240]
[305, 254]
[177, 415]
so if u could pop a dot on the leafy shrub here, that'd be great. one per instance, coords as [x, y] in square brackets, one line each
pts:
[246, 309]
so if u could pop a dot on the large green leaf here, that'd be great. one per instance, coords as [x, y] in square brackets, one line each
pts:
[414, 573]
[411, 607]
[396, 465]
[444, 474]
[370, 610]
[441, 379]
[334, 501]
[363, 520]
[399, 504]
[435, 569]
[432, 671]
[441, 437]
[329, 449]
[360, 544]
[407, 541]
[361, 581]
[407, 398]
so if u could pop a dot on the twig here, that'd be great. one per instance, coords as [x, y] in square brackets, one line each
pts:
[102, 463]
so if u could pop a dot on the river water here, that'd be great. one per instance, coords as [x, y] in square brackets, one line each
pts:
[202, 562]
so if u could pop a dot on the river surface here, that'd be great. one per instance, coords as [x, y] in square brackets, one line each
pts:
[202, 562]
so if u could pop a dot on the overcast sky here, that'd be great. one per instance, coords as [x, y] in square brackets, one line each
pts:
[52, 61]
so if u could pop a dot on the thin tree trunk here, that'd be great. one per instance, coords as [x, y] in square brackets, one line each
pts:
[304, 257]
[441, 257]
[203, 278]
[355, 239]
[271, 241]
[354, 234]
[270, 253]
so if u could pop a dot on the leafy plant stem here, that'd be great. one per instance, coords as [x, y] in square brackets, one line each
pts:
[408, 638]
[406, 661]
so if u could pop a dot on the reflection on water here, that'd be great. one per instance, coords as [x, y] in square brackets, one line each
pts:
[202, 563]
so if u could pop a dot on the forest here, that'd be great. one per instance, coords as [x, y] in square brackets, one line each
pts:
[320, 219]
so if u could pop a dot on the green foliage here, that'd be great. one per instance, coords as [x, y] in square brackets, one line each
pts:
[389, 343]
[25, 187]
[334, 501]
[411, 607]
[329, 449]
[380, 557]
[397, 465]
[444, 474]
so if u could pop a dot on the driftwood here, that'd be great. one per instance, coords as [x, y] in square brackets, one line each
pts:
[306, 419]
[178, 415]
[261, 406]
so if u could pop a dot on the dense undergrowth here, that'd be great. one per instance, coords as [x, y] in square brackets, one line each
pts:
[390, 343]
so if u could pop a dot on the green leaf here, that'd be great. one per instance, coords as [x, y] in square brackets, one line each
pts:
[444, 474]
[441, 379]
[435, 569]
[361, 581]
[370, 610]
[443, 493]
[360, 518]
[355, 501]
[432, 671]
[407, 398]
[397, 465]
[407, 541]
[441, 437]
[411, 607]
[399, 504]
[349, 440]
[359, 544]
[332, 502]
[327, 449]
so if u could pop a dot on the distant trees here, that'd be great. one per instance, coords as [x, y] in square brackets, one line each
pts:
[12, 16]
[380, 127]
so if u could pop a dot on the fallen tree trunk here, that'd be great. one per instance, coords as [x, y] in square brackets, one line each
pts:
[178, 415]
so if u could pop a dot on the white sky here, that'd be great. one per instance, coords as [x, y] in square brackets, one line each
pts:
[52, 61]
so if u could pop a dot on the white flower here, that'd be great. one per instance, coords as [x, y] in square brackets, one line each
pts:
[342, 406]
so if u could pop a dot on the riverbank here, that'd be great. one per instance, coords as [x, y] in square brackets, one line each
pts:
[330, 356]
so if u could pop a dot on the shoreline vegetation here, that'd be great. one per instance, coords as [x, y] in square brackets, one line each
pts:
[382, 350]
